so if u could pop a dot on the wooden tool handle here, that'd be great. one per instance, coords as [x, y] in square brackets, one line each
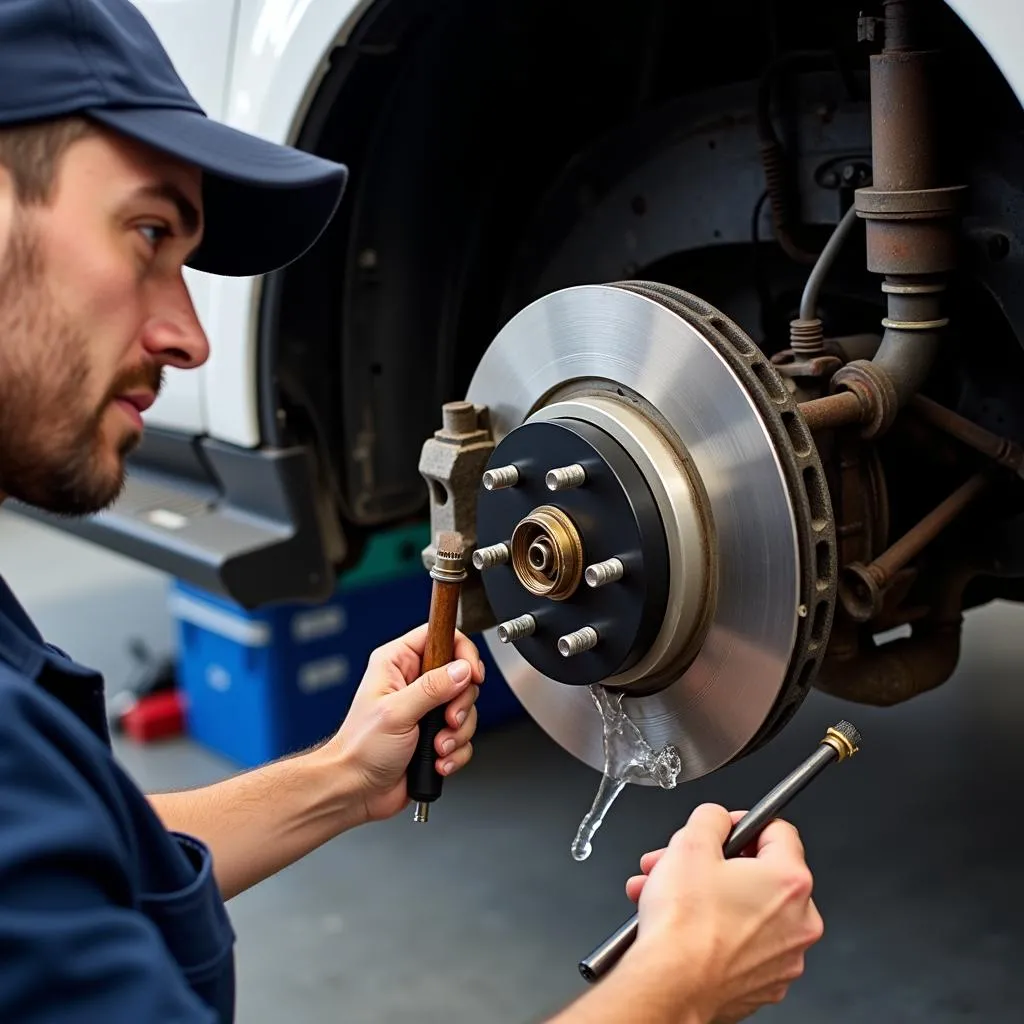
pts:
[423, 780]
[444, 610]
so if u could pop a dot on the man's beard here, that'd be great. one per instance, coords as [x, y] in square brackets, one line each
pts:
[50, 454]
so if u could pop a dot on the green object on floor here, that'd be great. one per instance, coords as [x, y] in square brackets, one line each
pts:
[389, 555]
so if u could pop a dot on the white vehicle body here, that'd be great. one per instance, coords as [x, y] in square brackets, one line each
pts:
[261, 65]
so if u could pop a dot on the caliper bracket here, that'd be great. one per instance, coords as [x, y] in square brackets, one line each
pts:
[452, 462]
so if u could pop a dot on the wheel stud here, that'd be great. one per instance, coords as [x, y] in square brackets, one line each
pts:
[516, 629]
[489, 557]
[576, 643]
[503, 476]
[600, 573]
[565, 477]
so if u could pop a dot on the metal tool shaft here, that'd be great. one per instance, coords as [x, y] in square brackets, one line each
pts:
[840, 742]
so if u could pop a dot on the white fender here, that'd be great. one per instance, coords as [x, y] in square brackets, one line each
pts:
[999, 26]
[277, 64]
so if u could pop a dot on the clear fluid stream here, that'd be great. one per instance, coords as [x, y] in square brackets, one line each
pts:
[627, 756]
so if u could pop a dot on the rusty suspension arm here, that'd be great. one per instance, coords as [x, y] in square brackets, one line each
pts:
[851, 408]
[862, 587]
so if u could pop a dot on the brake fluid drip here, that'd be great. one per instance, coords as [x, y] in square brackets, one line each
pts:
[627, 755]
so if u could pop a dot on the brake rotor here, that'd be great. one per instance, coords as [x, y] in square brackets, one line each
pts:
[663, 522]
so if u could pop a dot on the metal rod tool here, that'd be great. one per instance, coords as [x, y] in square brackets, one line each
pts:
[840, 742]
[423, 781]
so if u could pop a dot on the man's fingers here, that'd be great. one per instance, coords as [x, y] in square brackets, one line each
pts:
[406, 653]
[706, 830]
[453, 762]
[458, 710]
[466, 650]
[648, 860]
[437, 687]
[635, 886]
[780, 840]
[448, 740]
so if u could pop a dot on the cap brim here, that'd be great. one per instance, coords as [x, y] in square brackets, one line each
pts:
[264, 204]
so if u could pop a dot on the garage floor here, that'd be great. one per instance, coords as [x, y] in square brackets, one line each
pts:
[482, 914]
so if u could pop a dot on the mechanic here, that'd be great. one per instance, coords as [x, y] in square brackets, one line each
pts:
[111, 902]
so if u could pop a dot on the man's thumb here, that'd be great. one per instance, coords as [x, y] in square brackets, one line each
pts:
[438, 686]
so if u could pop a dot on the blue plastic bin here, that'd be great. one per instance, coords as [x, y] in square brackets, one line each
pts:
[259, 685]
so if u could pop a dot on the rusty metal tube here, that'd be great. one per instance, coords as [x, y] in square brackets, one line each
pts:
[862, 587]
[1000, 449]
[911, 337]
[910, 211]
[918, 537]
[833, 411]
[816, 278]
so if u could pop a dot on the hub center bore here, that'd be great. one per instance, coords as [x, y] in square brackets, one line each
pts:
[547, 553]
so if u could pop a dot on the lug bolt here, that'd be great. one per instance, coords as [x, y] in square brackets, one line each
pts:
[600, 573]
[489, 557]
[516, 629]
[503, 476]
[576, 643]
[565, 477]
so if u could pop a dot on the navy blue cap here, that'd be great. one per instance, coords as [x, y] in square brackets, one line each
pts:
[264, 204]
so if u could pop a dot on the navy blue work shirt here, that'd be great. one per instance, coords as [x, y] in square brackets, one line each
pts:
[105, 916]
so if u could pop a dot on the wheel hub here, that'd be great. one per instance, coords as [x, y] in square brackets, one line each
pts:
[579, 503]
[665, 519]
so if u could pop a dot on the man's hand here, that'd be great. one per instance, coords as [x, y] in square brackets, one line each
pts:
[735, 930]
[379, 734]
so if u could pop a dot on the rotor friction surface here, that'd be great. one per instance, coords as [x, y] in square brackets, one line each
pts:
[714, 709]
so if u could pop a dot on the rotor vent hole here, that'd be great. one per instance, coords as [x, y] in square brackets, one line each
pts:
[799, 435]
[738, 339]
[820, 618]
[815, 497]
[772, 382]
[823, 562]
[807, 675]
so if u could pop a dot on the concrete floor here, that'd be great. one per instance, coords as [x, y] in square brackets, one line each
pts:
[482, 915]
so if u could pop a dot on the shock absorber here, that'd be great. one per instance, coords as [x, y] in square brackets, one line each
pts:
[910, 211]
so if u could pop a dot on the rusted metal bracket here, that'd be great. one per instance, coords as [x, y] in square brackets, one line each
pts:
[452, 463]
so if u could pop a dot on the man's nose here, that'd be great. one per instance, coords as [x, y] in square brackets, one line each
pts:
[173, 334]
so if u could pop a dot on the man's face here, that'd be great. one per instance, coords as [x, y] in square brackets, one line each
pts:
[93, 306]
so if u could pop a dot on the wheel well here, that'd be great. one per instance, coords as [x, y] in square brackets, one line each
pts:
[459, 121]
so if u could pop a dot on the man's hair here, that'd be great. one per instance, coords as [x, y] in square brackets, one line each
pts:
[31, 153]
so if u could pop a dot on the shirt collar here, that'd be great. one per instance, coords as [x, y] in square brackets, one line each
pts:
[22, 647]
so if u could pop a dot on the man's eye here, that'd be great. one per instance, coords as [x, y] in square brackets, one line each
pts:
[154, 233]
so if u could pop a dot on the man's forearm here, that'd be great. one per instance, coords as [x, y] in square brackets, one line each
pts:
[261, 821]
[638, 988]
